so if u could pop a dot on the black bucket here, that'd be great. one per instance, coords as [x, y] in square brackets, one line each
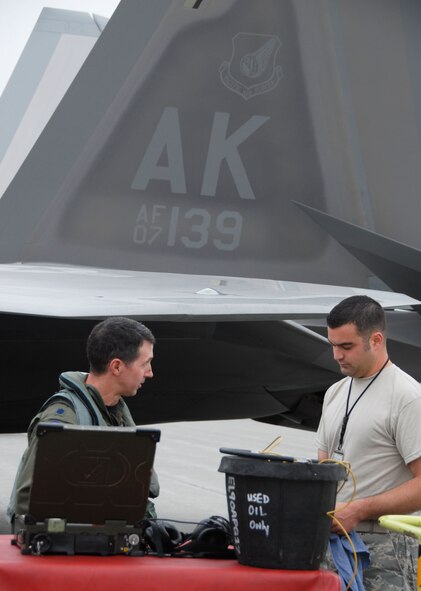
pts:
[278, 509]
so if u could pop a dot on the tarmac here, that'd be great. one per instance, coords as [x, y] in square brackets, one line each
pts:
[187, 461]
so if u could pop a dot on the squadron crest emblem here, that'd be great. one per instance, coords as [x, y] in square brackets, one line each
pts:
[252, 69]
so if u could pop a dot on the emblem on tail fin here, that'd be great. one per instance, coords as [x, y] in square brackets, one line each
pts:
[252, 69]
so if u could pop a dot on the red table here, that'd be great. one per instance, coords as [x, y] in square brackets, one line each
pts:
[20, 572]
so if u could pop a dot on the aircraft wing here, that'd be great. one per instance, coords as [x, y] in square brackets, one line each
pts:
[227, 347]
[87, 292]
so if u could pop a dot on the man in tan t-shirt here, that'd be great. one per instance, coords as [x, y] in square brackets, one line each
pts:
[372, 419]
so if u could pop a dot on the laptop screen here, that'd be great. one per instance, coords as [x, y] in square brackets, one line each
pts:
[92, 474]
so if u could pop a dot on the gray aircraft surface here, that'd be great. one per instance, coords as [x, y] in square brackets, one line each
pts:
[183, 179]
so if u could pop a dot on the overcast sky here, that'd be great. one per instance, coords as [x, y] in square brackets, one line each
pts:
[18, 17]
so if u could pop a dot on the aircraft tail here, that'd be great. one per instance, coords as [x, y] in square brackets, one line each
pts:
[166, 153]
[192, 127]
[53, 54]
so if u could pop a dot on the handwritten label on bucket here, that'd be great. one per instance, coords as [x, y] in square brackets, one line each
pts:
[249, 510]
[256, 511]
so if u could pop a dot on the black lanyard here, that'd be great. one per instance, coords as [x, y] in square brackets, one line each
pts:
[347, 413]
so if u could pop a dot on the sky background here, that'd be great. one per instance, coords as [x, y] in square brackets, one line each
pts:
[18, 17]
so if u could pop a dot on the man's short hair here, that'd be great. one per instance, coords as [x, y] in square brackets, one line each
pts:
[367, 315]
[116, 337]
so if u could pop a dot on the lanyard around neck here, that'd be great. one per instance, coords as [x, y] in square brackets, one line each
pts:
[348, 412]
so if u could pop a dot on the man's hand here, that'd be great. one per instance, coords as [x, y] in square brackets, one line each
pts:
[349, 515]
[404, 499]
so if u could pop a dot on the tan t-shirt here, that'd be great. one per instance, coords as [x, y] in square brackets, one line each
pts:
[383, 433]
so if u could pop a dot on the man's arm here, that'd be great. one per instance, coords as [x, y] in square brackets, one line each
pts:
[405, 498]
[57, 412]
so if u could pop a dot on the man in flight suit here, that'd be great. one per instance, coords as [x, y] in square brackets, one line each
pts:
[120, 353]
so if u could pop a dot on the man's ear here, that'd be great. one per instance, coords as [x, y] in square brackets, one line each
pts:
[115, 366]
[377, 338]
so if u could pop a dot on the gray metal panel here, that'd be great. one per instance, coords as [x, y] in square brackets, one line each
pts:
[254, 150]
[82, 292]
[329, 119]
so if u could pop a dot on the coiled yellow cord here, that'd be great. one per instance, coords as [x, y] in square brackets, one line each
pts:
[331, 514]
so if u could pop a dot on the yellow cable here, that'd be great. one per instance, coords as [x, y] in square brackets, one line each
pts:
[268, 449]
[331, 514]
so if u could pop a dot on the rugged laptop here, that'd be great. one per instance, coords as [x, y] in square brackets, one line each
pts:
[89, 492]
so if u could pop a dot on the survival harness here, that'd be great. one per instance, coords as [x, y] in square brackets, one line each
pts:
[86, 410]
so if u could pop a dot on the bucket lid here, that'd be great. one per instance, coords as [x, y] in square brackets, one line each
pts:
[245, 453]
[246, 463]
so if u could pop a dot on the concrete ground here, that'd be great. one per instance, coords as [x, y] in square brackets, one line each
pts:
[187, 461]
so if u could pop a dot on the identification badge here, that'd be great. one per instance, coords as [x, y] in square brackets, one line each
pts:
[338, 455]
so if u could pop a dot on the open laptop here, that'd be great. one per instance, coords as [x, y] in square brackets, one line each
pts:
[89, 491]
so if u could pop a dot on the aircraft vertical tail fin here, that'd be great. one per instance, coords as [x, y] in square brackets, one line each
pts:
[54, 53]
[166, 153]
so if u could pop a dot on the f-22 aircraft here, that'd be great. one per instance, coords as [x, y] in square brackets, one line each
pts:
[173, 183]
